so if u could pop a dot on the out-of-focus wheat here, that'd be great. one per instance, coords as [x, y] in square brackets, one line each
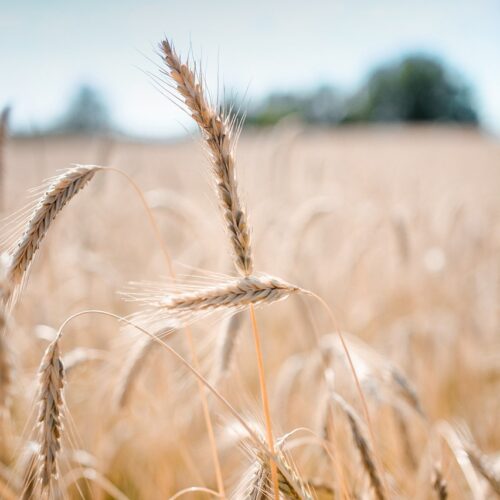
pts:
[4, 124]
[50, 413]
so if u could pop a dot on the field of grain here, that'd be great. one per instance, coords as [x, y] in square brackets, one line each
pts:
[396, 228]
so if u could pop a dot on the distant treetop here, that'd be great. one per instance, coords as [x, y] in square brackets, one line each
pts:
[415, 89]
[87, 114]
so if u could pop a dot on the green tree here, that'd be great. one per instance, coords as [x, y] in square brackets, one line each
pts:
[417, 89]
[87, 114]
[321, 106]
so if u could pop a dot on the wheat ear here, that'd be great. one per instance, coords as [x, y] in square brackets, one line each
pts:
[260, 485]
[227, 344]
[362, 445]
[62, 188]
[219, 137]
[131, 370]
[234, 294]
[50, 413]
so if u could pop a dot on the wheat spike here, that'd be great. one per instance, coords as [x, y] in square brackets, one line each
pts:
[219, 137]
[50, 413]
[132, 369]
[227, 344]
[231, 295]
[62, 188]
[362, 445]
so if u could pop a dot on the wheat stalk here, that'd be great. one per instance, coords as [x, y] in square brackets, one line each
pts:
[62, 188]
[50, 413]
[219, 137]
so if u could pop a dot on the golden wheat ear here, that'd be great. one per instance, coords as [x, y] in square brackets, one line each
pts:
[25, 233]
[50, 414]
[191, 303]
[219, 137]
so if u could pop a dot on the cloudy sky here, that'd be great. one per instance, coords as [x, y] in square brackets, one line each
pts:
[48, 48]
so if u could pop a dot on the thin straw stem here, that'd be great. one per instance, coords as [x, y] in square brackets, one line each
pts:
[151, 217]
[265, 399]
[194, 356]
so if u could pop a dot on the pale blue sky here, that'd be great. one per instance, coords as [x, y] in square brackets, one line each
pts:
[49, 47]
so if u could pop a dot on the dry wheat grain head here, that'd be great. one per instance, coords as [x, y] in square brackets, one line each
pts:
[165, 304]
[220, 139]
[56, 193]
[50, 414]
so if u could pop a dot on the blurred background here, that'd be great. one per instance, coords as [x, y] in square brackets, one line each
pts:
[92, 66]
[370, 166]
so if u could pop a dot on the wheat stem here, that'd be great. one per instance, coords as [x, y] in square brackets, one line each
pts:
[265, 399]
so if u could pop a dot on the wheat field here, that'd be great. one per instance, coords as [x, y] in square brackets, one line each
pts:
[396, 229]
